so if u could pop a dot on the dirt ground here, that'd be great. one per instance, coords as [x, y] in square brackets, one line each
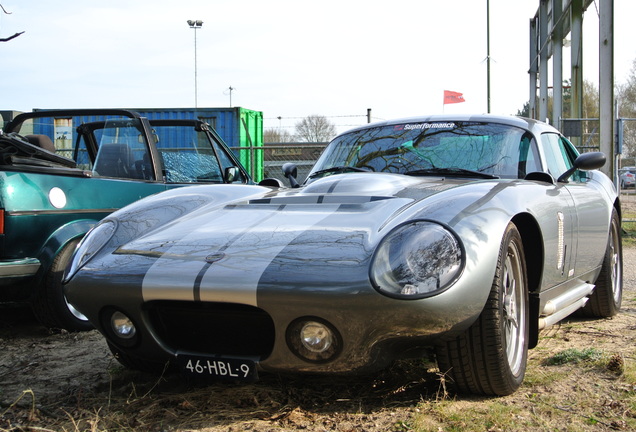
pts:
[65, 381]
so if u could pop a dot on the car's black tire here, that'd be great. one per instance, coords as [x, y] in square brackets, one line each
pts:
[607, 296]
[49, 303]
[490, 357]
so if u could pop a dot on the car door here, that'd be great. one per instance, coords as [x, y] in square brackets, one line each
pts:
[588, 216]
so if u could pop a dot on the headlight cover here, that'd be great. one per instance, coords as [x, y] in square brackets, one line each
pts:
[417, 260]
[92, 243]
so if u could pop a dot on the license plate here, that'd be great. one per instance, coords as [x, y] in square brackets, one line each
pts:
[217, 367]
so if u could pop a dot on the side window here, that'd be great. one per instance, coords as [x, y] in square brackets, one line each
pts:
[529, 160]
[227, 161]
[187, 155]
[121, 152]
[560, 155]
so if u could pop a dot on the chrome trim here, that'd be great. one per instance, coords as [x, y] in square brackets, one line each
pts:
[57, 212]
[19, 267]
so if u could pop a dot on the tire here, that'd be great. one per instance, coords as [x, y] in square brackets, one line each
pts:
[49, 303]
[490, 357]
[607, 297]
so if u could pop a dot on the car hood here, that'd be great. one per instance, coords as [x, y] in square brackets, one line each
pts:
[342, 202]
[333, 223]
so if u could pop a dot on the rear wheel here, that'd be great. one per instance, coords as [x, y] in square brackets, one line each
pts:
[607, 297]
[49, 302]
[490, 357]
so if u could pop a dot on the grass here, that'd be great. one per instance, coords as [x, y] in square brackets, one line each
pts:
[574, 355]
[629, 228]
[467, 415]
[586, 389]
[629, 233]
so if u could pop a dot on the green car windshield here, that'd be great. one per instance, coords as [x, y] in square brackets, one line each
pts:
[480, 149]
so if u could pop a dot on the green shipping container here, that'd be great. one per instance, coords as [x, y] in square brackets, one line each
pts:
[251, 136]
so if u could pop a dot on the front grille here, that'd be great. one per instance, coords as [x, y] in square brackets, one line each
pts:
[213, 328]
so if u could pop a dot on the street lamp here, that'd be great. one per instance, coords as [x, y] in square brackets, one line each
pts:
[195, 24]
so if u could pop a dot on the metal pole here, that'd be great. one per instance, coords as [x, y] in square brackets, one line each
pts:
[195, 24]
[533, 70]
[543, 61]
[488, 54]
[576, 26]
[606, 84]
[556, 42]
[196, 90]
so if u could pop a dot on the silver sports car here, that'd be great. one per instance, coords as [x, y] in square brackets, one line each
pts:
[461, 236]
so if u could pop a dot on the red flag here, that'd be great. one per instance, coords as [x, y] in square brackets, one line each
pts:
[451, 97]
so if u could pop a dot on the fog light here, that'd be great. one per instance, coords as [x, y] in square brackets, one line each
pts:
[313, 339]
[122, 326]
[316, 337]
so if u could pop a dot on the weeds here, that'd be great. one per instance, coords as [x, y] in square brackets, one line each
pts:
[574, 355]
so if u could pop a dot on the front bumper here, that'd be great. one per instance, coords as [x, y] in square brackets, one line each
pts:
[374, 330]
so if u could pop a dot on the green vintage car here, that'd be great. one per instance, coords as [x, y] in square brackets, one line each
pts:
[62, 171]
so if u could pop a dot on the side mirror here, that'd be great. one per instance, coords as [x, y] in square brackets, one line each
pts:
[586, 162]
[271, 182]
[291, 172]
[231, 174]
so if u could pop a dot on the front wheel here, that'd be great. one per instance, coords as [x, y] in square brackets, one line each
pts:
[49, 303]
[490, 357]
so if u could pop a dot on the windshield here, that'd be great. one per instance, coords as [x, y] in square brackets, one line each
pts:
[430, 148]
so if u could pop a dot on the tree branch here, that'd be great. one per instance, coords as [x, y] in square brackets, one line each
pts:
[10, 37]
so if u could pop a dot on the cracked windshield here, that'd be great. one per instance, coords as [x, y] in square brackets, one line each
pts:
[430, 148]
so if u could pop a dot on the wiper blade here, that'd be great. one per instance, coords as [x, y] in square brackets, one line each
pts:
[337, 169]
[451, 171]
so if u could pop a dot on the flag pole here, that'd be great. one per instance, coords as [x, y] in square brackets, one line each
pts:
[488, 54]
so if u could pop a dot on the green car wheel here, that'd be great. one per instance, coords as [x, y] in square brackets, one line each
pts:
[49, 302]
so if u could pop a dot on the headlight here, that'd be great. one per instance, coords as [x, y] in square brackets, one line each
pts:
[92, 243]
[417, 260]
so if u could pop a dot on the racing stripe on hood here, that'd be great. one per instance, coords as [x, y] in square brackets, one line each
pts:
[229, 268]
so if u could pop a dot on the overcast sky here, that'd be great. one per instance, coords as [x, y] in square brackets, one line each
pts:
[287, 58]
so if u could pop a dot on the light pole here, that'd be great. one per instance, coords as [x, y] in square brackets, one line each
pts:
[195, 24]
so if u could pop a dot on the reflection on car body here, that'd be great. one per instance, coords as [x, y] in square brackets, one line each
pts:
[627, 177]
[464, 235]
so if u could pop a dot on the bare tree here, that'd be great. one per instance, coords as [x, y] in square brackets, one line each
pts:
[10, 37]
[315, 128]
[277, 136]
[626, 95]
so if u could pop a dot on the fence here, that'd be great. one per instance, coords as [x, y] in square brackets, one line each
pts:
[275, 155]
[584, 133]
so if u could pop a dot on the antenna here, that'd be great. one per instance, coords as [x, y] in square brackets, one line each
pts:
[230, 90]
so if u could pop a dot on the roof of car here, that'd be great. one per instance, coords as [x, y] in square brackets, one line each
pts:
[522, 122]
